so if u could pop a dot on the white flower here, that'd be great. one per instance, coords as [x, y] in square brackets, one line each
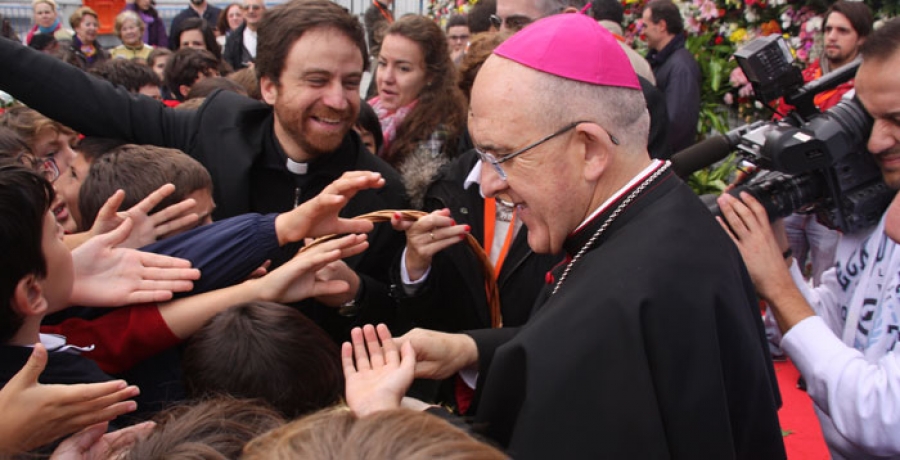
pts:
[750, 16]
[785, 20]
[814, 24]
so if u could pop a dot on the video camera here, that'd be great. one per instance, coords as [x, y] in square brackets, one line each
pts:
[809, 161]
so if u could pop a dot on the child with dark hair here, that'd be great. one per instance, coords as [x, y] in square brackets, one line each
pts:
[46, 43]
[267, 351]
[369, 128]
[157, 60]
[133, 76]
[206, 86]
[186, 67]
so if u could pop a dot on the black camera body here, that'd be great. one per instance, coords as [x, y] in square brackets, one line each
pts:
[809, 161]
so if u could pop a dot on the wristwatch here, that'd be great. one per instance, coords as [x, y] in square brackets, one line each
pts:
[349, 308]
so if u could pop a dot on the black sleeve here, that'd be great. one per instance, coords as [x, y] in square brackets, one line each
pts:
[488, 341]
[232, 52]
[89, 105]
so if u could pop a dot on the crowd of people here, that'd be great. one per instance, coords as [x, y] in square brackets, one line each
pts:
[187, 273]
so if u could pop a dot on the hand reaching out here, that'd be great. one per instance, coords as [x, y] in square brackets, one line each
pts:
[35, 414]
[147, 227]
[107, 276]
[377, 373]
[296, 279]
[319, 216]
[338, 271]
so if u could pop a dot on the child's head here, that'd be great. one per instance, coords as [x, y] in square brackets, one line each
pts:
[46, 139]
[139, 170]
[213, 429]
[36, 275]
[267, 351]
[186, 67]
[369, 128]
[338, 434]
[157, 60]
[68, 185]
[133, 76]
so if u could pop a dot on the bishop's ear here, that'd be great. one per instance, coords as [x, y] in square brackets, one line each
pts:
[28, 298]
[598, 147]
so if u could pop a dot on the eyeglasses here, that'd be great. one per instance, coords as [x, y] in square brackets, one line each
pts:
[460, 38]
[49, 169]
[495, 162]
[514, 23]
[251, 7]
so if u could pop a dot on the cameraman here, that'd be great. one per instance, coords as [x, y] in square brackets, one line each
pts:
[843, 334]
[847, 24]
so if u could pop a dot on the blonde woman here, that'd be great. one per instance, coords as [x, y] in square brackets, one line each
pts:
[130, 29]
[47, 21]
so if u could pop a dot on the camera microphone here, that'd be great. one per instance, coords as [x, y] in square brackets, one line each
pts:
[709, 151]
[701, 155]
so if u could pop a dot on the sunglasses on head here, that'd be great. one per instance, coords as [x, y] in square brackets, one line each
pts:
[514, 22]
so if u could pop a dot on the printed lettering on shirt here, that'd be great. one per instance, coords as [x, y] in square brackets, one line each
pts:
[895, 331]
[855, 264]
[866, 315]
[841, 278]
[882, 248]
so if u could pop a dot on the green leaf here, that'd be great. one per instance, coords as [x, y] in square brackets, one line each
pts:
[715, 70]
[786, 433]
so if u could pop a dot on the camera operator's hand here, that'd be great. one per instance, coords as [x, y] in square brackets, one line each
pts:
[749, 228]
[748, 225]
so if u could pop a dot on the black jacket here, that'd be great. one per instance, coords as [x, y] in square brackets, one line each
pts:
[233, 137]
[678, 76]
[234, 52]
[453, 297]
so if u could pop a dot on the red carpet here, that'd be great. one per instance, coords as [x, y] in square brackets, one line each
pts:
[803, 437]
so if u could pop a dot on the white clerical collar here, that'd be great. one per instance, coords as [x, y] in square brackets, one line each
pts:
[474, 177]
[622, 191]
[57, 343]
[296, 167]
